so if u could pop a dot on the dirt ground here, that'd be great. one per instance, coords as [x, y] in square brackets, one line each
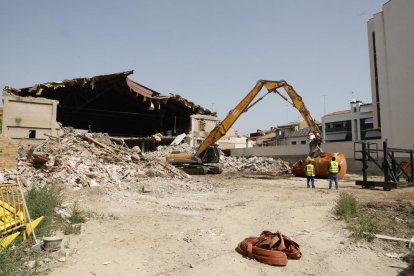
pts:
[191, 227]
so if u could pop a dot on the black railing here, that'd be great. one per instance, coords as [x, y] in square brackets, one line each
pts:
[392, 168]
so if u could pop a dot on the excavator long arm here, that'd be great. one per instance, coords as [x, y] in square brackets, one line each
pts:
[207, 153]
[221, 129]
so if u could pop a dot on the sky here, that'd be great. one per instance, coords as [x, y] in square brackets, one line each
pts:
[209, 52]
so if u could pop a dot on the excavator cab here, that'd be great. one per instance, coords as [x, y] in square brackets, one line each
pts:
[212, 155]
[192, 164]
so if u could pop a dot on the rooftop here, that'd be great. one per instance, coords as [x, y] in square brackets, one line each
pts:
[340, 112]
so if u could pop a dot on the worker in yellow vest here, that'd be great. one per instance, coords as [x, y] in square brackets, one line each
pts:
[310, 174]
[334, 168]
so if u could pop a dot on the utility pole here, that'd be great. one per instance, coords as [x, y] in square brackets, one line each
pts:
[324, 104]
[287, 113]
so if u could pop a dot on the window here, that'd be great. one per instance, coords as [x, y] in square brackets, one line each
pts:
[202, 125]
[303, 142]
[293, 142]
[372, 134]
[369, 120]
[377, 98]
[336, 137]
[32, 134]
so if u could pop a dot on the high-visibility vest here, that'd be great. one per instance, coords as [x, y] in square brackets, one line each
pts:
[334, 167]
[309, 170]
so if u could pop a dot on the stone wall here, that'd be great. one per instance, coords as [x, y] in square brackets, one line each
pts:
[8, 153]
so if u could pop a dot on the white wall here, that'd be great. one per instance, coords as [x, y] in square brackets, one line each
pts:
[296, 152]
[21, 115]
[394, 41]
[298, 140]
[358, 111]
[202, 125]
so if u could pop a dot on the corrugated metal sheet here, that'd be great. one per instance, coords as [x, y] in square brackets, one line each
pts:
[299, 133]
[145, 91]
[89, 83]
[37, 89]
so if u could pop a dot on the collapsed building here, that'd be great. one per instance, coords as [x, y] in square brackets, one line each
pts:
[112, 104]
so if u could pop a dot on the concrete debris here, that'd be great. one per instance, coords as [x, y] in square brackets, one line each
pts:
[179, 139]
[157, 137]
[233, 164]
[93, 160]
[162, 151]
[87, 160]
[256, 164]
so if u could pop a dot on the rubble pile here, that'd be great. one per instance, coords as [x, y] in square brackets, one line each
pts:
[93, 160]
[256, 164]
[162, 151]
[88, 159]
[233, 164]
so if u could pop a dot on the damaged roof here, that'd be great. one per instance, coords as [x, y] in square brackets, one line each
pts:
[115, 104]
[45, 89]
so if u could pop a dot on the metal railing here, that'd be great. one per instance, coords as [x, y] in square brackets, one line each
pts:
[392, 167]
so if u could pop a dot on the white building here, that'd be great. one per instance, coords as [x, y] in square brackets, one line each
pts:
[29, 118]
[391, 45]
[354, 124]
[202, 125]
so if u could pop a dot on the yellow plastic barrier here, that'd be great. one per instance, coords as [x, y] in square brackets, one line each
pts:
[13, 215]
[7, 240]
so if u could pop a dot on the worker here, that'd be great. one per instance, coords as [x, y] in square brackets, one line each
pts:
[310, 174]
[334, 168]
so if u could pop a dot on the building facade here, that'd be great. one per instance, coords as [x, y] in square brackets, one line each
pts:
[391, 44]
[355, 124]
[293, 133]
[29, 118]
[202, 125]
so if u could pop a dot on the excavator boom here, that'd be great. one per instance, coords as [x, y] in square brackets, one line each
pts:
[221, 129]
[298, 103]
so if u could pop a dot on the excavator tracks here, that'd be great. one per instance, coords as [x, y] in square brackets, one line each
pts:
[201, 169]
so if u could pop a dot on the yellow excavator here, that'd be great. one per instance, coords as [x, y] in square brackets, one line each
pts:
[205, 159]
